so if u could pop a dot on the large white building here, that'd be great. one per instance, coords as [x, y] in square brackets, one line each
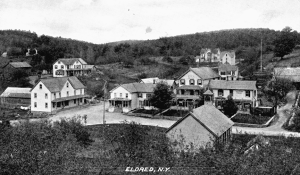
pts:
[191, 83]
[71, 67]
[244, 93]
[130, 96]
[52, 94]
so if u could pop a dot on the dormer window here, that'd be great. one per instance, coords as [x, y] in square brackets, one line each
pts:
[199, 81]
[182, 81]
[192, 81]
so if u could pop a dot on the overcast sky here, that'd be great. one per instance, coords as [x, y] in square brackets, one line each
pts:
[102, 21]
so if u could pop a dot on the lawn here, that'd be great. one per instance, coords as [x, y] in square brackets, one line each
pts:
[175, 113]
[145, 111]
[250, 119]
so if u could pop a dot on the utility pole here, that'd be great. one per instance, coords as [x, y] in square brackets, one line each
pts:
[261, 66]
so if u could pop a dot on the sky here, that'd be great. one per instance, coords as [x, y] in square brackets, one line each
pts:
[103, 21]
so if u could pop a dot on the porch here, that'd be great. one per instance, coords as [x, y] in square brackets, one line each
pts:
[68, 102]
[119, 105]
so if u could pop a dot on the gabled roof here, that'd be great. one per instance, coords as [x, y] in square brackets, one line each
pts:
[70, 61]
[89, 66]
[203, 72]
[16, 92]
[138, 87]
[288, 73]
[149, 80]
[227, 67]
[56, 84]
[208, 92]
[211, 118]
[20, 64]
[230, 53]
[168, 82]
[238, 85]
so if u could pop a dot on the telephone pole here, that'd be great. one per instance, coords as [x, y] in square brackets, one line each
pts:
[261, 66]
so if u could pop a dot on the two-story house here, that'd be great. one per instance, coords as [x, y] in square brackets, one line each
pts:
[191, 84]
[130, 96]
[71, 67]
[227, 57]
[210, 55]
[244, 93]
[228, 72]
[52, 94]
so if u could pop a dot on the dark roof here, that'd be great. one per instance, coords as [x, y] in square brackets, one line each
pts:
[138, 87]
[56, 84]
[20, 64]
[211, 118]
[223, 84]
[70, 61]
[227, 67]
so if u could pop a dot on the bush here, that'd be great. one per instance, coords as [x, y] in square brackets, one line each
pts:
[142, 75]
[74, 126]
[167, 59]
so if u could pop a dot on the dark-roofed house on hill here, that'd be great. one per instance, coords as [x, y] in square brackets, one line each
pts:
[130, 96]
[11, 67]
[244, 93]
[52, 94]
[192, 83]
[15, 97]
[228, 72]
[201, 128]
[71, 67]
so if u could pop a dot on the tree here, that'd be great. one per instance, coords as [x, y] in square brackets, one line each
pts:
[229, 107]
[19, 78]
[277, 89]
[285, 43]
[162, 96]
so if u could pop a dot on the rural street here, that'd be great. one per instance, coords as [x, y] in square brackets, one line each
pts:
[95, 116]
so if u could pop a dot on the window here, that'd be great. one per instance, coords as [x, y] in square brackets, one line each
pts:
[67, 93]
[67, 84]
[59, 94]
[80, 100]
[222, 73]
[220, 92]
[199, 81]
[41, 86]
[35, 104]
[80, 91]
[140, 95]
[54, 94]
[75, 101]
[58, 62]
[247, 93]
[120, 95]
[74, 92]
[46, 105]
[148, 96]
[35, 95]
[66, 103]
[231, 92]
[115, 95]
[46, 96]
[223, 78]
[62, 66]
[55, 66]
[192, 81]
[68, 67]
[126, 95]
[182, 81]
